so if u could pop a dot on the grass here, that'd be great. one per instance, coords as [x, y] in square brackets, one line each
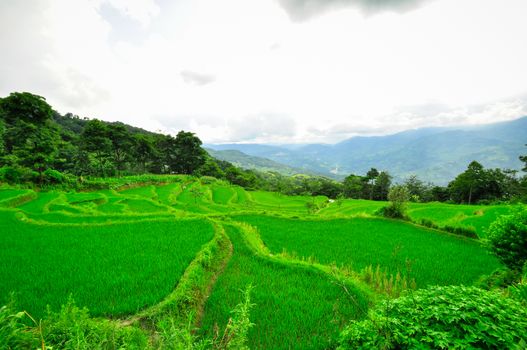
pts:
[112, 269]
[436, 258]
[295, 307]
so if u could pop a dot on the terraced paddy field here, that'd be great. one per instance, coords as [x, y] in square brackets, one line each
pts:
[112, 269]
[126, 249]
[478, 217]
[428, 256]
[296, 307]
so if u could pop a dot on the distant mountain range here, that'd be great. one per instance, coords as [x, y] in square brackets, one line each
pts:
[246, 161]
[434, 154]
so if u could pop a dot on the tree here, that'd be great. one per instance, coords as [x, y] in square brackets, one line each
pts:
[381, 186]
[508, 239]
[353, 186]
[468, 185]
[190, 156]
[371, 175]
[94, 139]
[419, 191]
[524, 160]
[122, 144]
[166, 160]
[39, 150]
[398, 197]
[144, 150]
[22, 105]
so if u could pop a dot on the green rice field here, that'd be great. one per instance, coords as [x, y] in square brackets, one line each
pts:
[428, 256]
[121, 251]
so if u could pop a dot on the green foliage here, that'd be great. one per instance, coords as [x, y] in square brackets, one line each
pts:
[453, 317]
[398, 197]
[14, 330]
[508, 239]
[73, 328]
[25, 106]
[237, 329]
[53, 176]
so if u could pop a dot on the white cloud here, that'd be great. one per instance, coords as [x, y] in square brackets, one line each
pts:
[141, 11]
[236, 70]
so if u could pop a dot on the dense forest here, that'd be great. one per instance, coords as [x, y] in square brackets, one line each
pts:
[42, 147]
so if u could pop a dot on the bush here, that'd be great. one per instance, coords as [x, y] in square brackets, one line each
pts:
[398, 196]
[508, 239]
[442, 318]
[14, 332]
[10, 174]
[52, 176]
[72, 328]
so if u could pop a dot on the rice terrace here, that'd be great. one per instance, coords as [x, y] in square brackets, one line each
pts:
[186, 249]
[263, 175]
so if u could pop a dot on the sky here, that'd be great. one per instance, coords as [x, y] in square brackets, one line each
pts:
[270, 71]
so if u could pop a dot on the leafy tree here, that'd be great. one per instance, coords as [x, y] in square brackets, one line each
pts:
[144, 150]
[524, 160]
[398, 197]
[371, 175]
[381, 186]
[25, 106]
[468, 186]
[39, 150]
[122, 144]
[353, 186]
[508, 239]
[94, 139]
[419, 191]
[166, 161]
[190, 155]
[2, 146]
[211, 168]
[440, 194]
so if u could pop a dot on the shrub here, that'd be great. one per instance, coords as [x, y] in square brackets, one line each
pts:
[508, 239]
[10, 174]
[398, 196]
[14, 332]
[72, 328]
[53, 176]
[442, 317]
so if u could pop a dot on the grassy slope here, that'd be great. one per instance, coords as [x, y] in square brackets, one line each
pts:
[295, 307]
[111, 269]
[436, 258]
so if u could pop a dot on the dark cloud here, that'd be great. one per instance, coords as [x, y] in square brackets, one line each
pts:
[194, 78]
[301, 10]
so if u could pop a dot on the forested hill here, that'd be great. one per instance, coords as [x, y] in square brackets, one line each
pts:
[434, 154]
[246, 161]
[38, 145]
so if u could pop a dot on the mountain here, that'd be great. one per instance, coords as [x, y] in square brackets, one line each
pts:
[434, 154]
[246, 161]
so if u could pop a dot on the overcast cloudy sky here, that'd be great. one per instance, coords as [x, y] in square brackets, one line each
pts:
[279, 71]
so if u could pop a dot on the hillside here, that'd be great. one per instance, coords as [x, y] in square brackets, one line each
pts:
[434, 154]
[246, 161]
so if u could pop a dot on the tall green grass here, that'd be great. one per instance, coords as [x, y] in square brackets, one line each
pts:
[429, 256]
[296, 307]
[112, 269]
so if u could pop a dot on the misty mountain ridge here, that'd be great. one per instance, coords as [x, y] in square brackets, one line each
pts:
[435, 154]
